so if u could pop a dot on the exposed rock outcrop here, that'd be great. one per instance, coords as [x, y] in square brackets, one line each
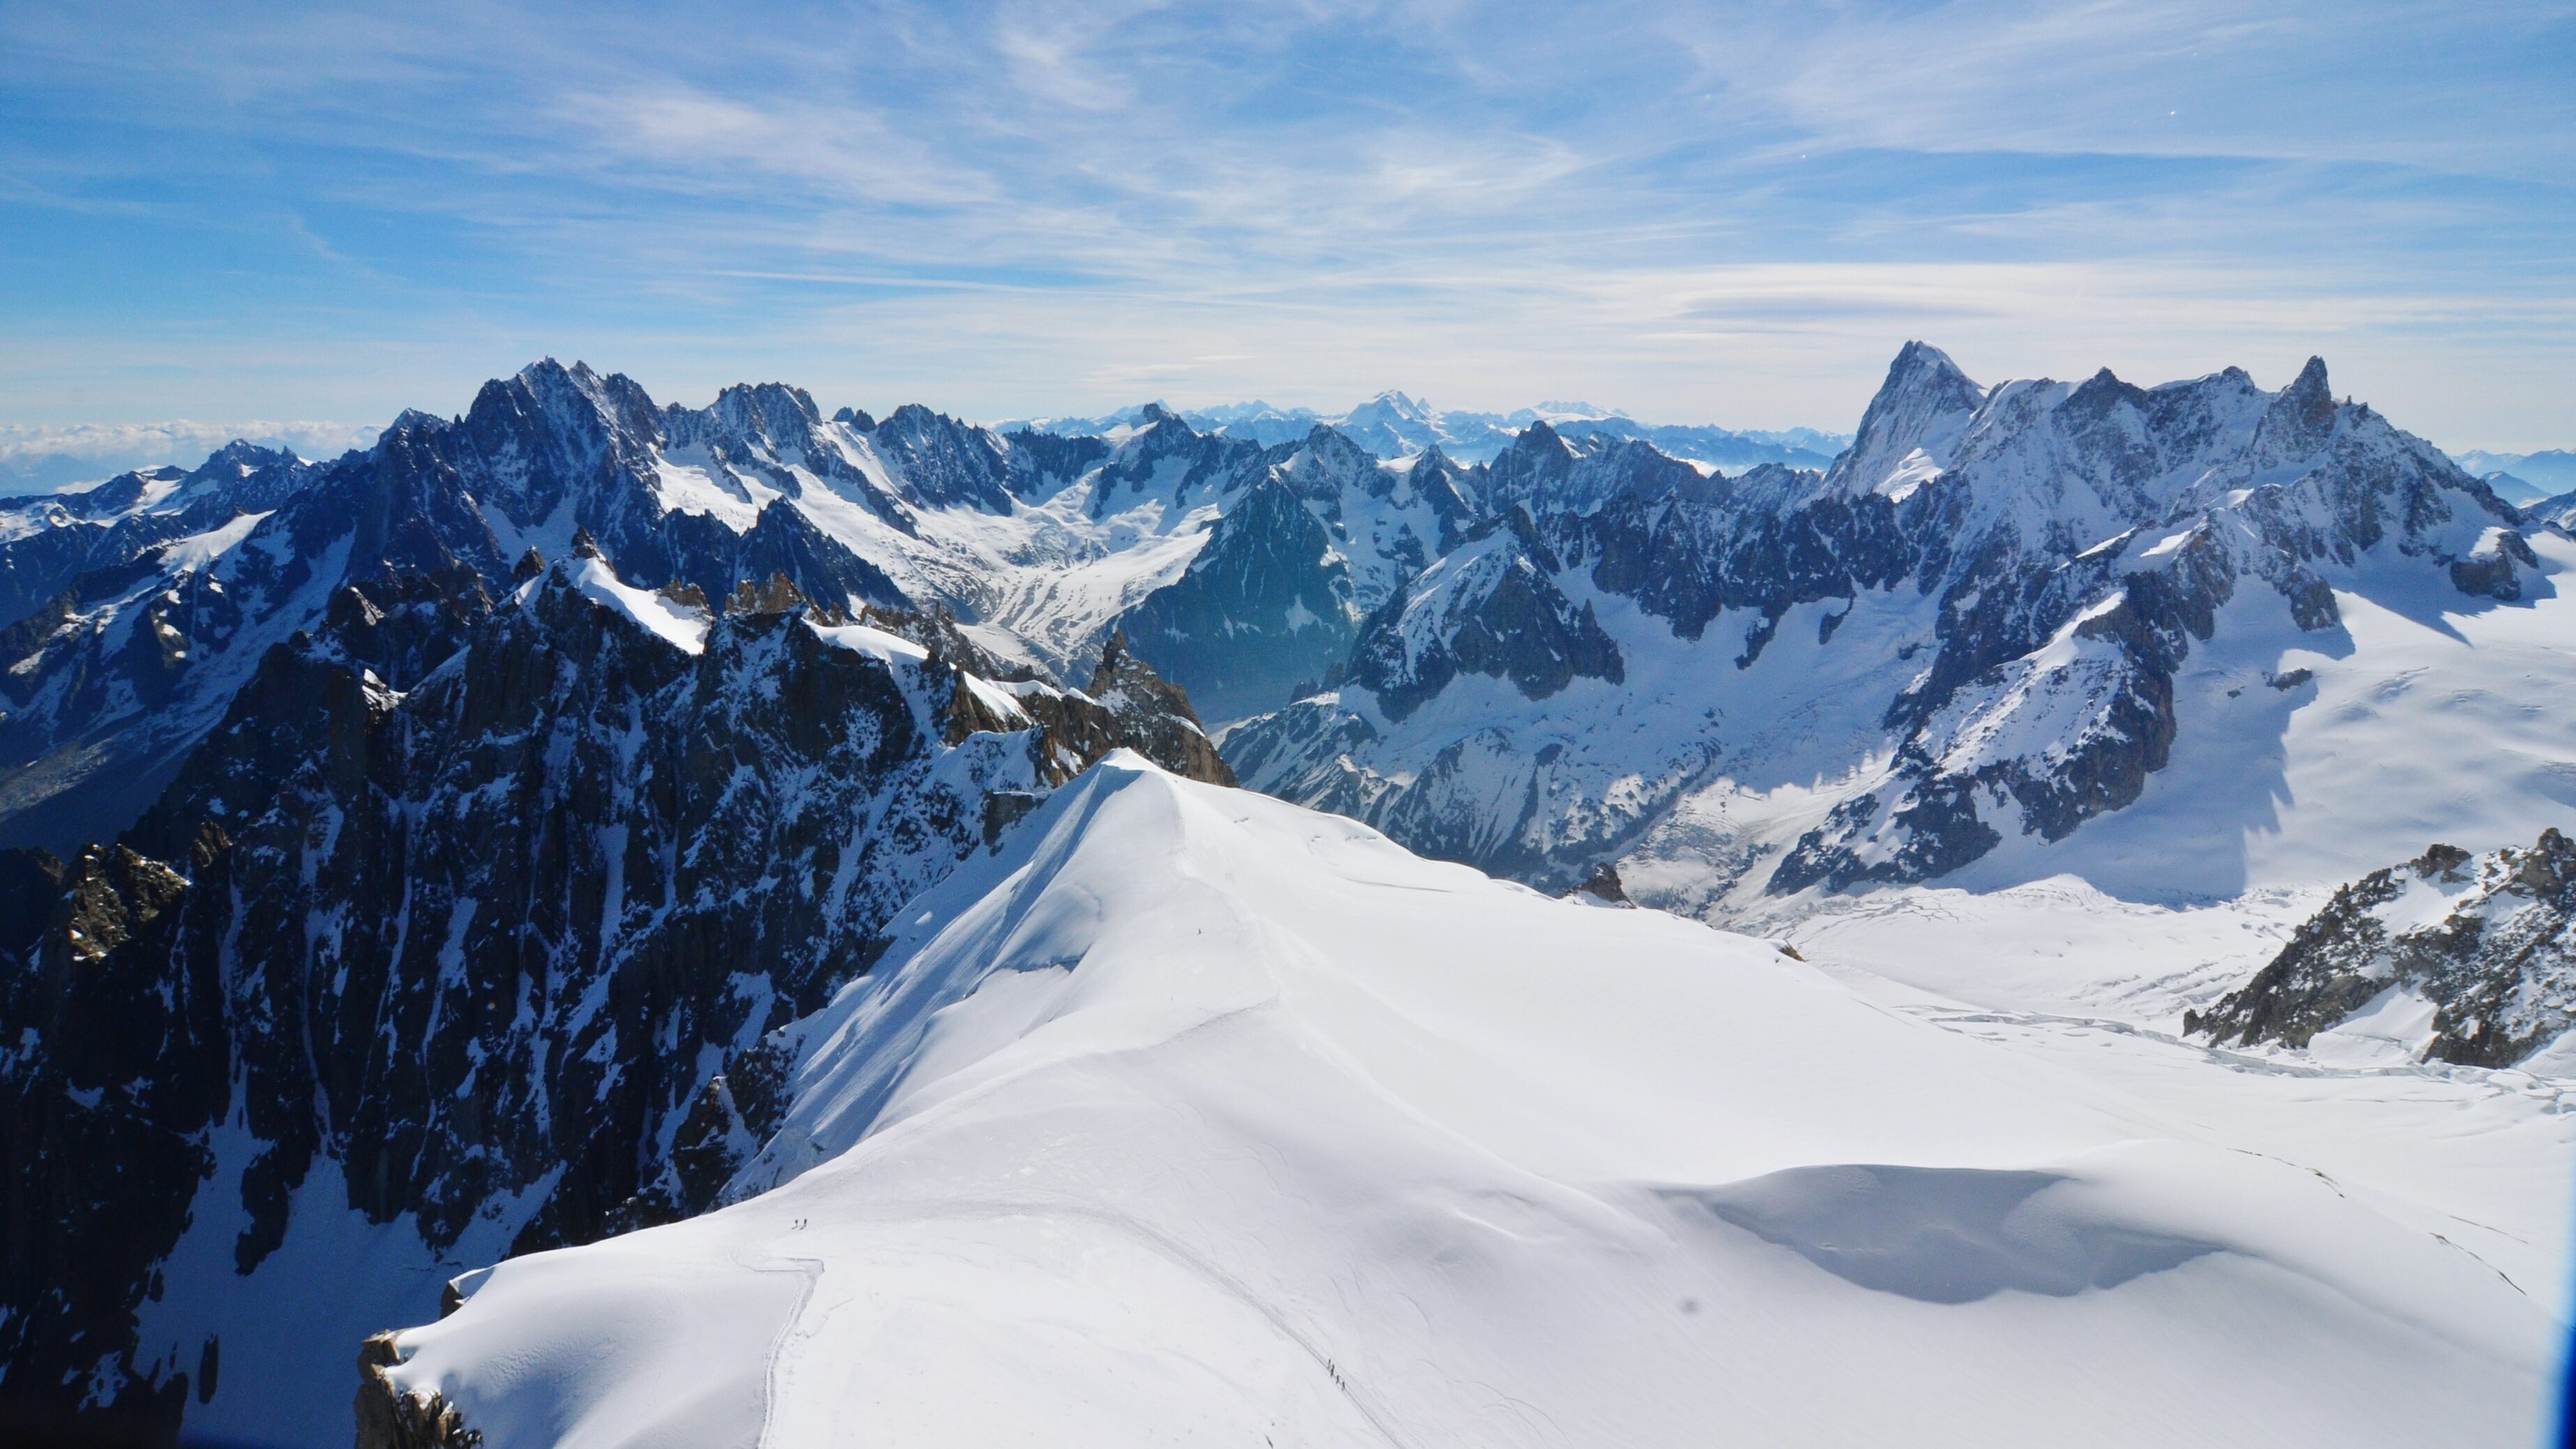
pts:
[2489, 942]
[393, 1417]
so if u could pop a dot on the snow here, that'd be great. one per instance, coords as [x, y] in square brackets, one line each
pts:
[684, 627]
[197, 551]
[2392, 1030]
[684, 485]
[1195, 1117]
[875, 643]
[1004, 704]
[2423, 720]
[272, 1387]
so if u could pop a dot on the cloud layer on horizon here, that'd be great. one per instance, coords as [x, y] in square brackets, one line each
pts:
[1703, 213]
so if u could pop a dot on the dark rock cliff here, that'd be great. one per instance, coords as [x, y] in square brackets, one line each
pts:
[508, 941]
[2493, 949]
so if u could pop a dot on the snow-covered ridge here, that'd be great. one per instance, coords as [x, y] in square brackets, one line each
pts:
[1967, 651]
[1198, 1117]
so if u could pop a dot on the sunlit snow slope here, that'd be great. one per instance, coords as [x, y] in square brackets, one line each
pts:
[1198, 1118]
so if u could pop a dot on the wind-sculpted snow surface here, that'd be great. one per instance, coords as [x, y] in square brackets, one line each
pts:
[1198, 1118]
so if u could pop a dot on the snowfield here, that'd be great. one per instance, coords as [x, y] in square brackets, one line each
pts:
[1195, 1117]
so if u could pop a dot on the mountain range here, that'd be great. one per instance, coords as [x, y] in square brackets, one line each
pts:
[1393, 425]
[565, 821]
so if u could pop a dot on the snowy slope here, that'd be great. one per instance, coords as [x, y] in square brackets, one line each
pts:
[1195, 1117]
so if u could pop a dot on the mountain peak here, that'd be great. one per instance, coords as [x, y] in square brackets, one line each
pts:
[2310, 385]
[1922, 398]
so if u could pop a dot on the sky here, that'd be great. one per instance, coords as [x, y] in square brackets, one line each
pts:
[1694, 213]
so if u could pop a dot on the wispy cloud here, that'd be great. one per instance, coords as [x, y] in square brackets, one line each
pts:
[34, 458]
[1725, 211]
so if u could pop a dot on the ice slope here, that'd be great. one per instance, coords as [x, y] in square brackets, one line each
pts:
[1195, 1117]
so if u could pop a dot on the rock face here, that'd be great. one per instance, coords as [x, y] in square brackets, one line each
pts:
[392, 1417]
[1265, 605]
[501, 949]
[1492, 607]
[2489, 943]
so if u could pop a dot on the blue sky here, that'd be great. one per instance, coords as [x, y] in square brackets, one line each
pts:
[1695, 212]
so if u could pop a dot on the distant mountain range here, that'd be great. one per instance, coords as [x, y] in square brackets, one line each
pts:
[2523, 477]
[1394, 426]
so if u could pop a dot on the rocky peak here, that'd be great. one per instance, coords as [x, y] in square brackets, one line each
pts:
[1153, 714]
[1921, 404]
[1530, 473]
[1266, 603]
[2488, 942]
[785, 417]
[940, 462]
[777, 596]
[1493, 608]
[508, 943]
[1319, 466]
[550, 433]
[2302, 416]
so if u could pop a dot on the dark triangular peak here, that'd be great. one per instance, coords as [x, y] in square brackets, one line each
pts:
[1522, 474]
[855, 419]
[1555, 477]
[940, 462]
[771, 410]
[2098, 394]
[1452, 491]
[784, 542]
[2301, 417]
[240, 458]
[1159, 432]
[548, 431]
[1538, 437]
[1318, 466]
[1325, 440]
[1265, 604]
[1922, 402]
[415, 420]
[2310, 388]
